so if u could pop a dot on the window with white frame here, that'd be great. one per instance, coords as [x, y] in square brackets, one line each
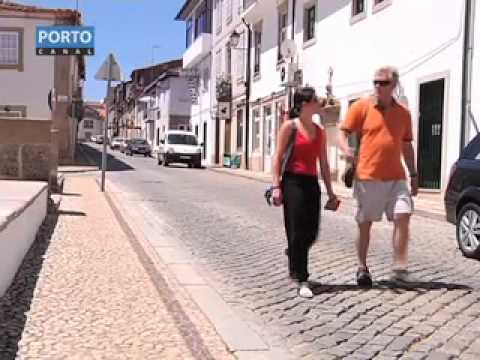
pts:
[257, 48]
[309, 23]
[358, 7]
[10, 48]
[282, 30]
[256, 129]
[87, 124]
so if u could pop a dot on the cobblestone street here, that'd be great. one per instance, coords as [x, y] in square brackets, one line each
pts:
[239, 241]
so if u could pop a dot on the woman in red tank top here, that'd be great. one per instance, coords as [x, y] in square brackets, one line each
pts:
[297, 188]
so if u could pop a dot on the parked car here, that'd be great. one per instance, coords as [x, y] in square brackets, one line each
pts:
[138, 146]
[180, 147]
[115, 143]
[98, 139]
[123, 145]
[462, 199]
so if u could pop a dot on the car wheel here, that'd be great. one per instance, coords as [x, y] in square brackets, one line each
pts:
[468, 230]
[198, 164]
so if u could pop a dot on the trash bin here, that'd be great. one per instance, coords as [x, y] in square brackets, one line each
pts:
[235, 161]
[226, 160]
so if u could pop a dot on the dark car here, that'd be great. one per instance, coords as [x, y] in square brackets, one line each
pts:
[462, 199]
[138, 146]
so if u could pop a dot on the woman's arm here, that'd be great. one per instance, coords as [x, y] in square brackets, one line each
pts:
[325, 167]
[282, 144]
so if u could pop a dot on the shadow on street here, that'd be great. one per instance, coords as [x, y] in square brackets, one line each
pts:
[89, 156]
[420, 287]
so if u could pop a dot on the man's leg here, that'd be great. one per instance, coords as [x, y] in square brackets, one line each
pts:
[401, 236]
[362, 244]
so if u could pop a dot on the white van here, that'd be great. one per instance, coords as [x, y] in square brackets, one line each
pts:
[180, 146]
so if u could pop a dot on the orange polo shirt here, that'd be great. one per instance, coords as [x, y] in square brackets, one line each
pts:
[383, 133]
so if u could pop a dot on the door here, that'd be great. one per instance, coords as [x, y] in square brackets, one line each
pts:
[430, 123]
[204, 140]
[228, 137]
[267, 139]
[217, 140]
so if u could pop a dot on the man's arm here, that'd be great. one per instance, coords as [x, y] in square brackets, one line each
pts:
[409, 157]
[344, 146]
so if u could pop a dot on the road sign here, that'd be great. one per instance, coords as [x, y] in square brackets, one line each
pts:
[113, 73]
[223, 110]
[109, 71]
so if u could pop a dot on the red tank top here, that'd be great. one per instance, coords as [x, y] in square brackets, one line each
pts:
[306, 153]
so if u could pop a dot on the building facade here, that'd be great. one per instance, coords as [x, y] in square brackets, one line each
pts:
[92, 121]
[197, 66]
[41, 88]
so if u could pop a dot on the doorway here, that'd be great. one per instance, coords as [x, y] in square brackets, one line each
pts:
[430, 129]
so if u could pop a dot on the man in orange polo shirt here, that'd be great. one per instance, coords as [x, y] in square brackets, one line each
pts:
[385, 128]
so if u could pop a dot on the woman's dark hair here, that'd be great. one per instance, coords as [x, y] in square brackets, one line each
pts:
[302, 95]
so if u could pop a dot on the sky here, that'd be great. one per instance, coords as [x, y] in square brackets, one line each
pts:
[129, 29]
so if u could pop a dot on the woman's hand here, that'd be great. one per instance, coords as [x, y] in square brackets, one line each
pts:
[277, 196]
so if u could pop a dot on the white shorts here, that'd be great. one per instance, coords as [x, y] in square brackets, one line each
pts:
[377, 197]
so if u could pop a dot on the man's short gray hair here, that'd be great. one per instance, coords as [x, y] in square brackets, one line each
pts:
[391, 71]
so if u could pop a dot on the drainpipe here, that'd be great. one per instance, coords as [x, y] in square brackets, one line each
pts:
[467, 72]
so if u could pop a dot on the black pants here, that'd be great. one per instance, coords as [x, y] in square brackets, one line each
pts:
[301, 211]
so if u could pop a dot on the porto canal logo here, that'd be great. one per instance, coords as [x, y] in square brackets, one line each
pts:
[65, 40]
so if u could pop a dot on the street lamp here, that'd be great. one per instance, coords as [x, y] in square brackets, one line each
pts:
[234, 41]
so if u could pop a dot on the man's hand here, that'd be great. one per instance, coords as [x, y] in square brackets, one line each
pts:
[349, 154]
[414, 185]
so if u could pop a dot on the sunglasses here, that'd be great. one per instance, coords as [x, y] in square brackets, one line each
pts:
[382, 82]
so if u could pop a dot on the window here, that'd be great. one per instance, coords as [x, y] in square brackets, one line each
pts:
[239, 129]
[181, 139]
[218, 14]
[358, 7]
[380, 4]
[11, 48]
[228, 60]
[240, 58]
[218, 63]
[188, 35]
[267, 129]
[229, 10]
[282, 31]
[256, 129]
[257, 49]
[206, 79]
[88, 124]
[309, 24]
[202, 23]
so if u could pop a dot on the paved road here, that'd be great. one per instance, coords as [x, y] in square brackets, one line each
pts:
[224, 221]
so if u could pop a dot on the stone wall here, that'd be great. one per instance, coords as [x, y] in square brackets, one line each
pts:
[25, 149]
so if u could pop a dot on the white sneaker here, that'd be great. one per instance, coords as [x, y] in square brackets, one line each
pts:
[304, 290]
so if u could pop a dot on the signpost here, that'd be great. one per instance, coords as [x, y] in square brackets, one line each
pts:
[109, 71]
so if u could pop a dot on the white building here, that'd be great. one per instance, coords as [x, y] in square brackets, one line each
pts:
[197, 62]
[92, 122]
[30, 77]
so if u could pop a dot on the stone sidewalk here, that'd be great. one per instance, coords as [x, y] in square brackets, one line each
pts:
[99, 296]
[426, 203]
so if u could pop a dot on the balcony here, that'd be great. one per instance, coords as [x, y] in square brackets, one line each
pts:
[197, 51]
